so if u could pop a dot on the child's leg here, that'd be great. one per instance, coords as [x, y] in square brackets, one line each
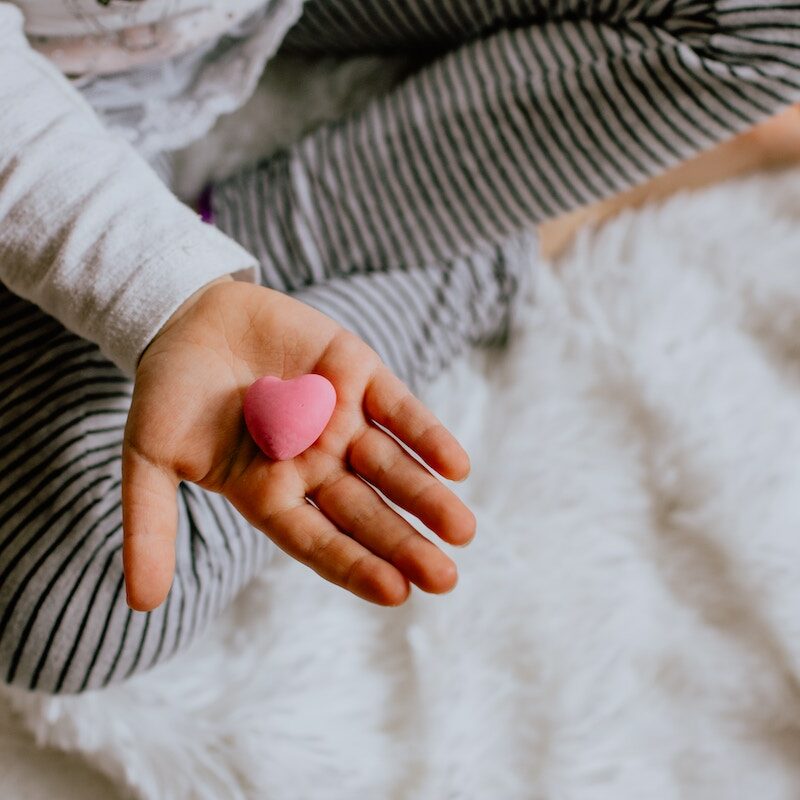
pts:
[545, 106]
[419, 319]
[64, 622]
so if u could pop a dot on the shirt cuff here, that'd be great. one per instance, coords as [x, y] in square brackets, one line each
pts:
[158, 287]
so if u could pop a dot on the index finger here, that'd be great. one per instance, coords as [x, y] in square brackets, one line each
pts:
[390, 403]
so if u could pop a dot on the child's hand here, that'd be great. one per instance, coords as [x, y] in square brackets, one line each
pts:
[186, 423]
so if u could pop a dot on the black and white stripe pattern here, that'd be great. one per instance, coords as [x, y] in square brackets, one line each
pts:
[548, 106]
[64, 623]
[389, 221]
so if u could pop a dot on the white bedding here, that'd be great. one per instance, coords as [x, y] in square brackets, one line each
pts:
[627, 623]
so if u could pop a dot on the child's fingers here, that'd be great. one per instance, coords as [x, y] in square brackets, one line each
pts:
[389, 402]
[149, 525]
[307, 535]
[386, 465]
[355, 507]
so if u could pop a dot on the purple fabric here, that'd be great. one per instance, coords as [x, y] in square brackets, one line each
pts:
[204, 208]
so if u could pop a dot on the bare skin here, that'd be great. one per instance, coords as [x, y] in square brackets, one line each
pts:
[773, 144]
[185, 424]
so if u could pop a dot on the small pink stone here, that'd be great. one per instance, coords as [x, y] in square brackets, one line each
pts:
[286, 417]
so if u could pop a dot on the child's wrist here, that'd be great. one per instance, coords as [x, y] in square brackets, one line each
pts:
[184, 307]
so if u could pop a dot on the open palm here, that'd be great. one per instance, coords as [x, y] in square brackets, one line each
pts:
[186, 423]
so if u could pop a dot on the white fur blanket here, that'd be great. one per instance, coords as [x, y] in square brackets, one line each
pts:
[627, 623]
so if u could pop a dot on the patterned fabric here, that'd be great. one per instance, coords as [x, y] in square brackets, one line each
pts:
[64, 622]
[165, 104]
[548, 106]
[407, 222]
[100, 36]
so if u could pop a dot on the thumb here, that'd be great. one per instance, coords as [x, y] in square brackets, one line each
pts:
[149, 528]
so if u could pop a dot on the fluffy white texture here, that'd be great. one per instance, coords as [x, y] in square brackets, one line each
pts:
[627, 621]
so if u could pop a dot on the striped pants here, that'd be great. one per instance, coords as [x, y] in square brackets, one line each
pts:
[407, 222]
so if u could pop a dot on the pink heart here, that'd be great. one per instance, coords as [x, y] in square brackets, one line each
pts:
[287, 417]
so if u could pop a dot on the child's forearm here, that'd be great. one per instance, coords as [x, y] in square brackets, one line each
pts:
[87, 230]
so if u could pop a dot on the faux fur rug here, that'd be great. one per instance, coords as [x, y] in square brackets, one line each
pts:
[627, 624]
